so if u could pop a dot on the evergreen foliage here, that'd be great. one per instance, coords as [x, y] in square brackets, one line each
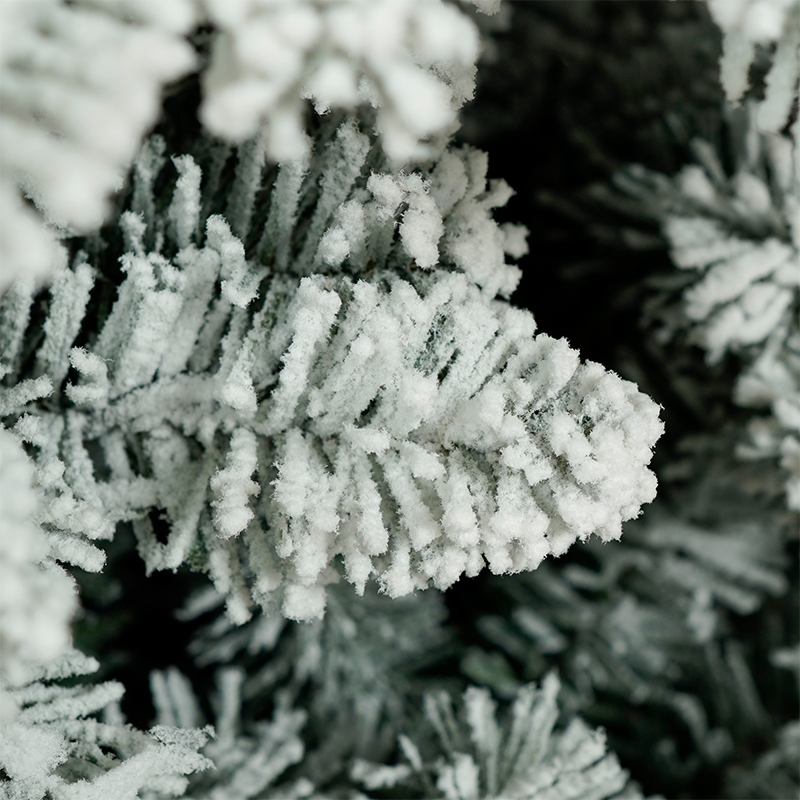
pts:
[263, 331]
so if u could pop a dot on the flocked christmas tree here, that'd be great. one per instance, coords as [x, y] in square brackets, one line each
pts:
[257, 344]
